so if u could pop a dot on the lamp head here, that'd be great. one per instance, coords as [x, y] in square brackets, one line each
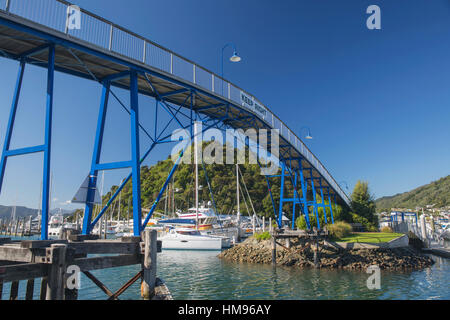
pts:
[235, 57]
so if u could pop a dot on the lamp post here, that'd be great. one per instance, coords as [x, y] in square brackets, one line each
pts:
[234, 58]
[308, 135]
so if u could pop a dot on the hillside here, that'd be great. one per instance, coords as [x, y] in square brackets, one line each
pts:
[21, 212]
[436, 192]
[222, 179]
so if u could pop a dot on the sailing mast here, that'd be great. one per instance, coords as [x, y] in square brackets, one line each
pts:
[196, 172]
[238, 215]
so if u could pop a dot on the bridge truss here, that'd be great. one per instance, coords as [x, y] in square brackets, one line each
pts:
[115, 57]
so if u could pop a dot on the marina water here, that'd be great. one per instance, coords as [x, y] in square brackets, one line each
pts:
[201, 275]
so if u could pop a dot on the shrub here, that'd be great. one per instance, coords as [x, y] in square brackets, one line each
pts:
[339, 229]
[300, 222]
[262, 236]
[387, 229]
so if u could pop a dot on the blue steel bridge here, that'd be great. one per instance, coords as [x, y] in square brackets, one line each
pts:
[38, 32]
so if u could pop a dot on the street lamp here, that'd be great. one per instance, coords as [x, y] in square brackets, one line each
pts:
[308, 135]
[234, 58]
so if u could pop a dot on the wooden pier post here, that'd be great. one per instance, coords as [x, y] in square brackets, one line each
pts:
[30, 289]
[264, 224]
[316, 252]
[56, 275]
[14, 290]
[149, 264]
[274, 250]
[288, 243]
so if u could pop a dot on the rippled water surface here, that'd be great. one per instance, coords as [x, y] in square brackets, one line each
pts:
[201, 275]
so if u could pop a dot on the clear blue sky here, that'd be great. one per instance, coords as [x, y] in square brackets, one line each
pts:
[377, 101]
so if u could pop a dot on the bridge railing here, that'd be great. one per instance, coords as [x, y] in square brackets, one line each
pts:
[102, 33]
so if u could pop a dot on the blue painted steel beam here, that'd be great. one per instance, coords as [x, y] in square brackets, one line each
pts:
[212, 106]
[315, 204]
[323, 200]
[12, 117]
[34, 51]
[280, 209]
[47, 144]
[27, 150]
[168, 94]
[116, 76]
[331, 206]
[135, 153]
[96, 158]
[172, 171]
[113, 165]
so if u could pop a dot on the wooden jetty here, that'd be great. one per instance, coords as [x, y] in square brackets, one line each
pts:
[55, 261]
[286, 234]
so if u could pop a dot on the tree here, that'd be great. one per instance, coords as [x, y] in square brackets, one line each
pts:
[363, 204]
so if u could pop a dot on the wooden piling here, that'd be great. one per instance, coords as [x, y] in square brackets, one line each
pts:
[55, 284]
[43, 290]
[149, 264]
[14, 290]
[316, 253]
[30, 290]
[288, 243]
[274, 250]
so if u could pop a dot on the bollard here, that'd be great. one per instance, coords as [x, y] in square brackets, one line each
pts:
[149, 265]
[274, 251]
[57, 270]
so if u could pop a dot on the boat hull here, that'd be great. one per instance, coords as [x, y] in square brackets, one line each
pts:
[191, 244]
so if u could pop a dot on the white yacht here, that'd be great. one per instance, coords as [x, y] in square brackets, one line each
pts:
[190, 239]
[55, 226]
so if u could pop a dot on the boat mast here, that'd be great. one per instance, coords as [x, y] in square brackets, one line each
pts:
[238, 215]
[196, 172]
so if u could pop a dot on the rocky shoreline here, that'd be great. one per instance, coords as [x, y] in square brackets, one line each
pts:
[301, 255]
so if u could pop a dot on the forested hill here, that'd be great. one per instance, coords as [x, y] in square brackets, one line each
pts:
[436, 192]
[222, 179]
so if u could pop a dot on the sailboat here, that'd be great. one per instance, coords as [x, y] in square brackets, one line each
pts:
[190, 238]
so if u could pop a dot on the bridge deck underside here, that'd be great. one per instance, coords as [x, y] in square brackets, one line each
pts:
[76, 61]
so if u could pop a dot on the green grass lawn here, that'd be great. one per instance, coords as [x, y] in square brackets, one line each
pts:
[372, 237]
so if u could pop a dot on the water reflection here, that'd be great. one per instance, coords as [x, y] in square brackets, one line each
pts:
[201, 275]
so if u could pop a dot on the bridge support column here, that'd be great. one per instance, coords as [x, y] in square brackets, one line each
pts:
[330, 205]
[45, 148]
[134, 163]
[316, 212]
[280, 209]
[12, 118]
[95, 159]
[323, 200]
[294, 202]
[304, 185]
[135, 153]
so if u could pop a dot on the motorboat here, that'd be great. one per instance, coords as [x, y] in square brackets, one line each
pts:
[189, 239]
[55, 226]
